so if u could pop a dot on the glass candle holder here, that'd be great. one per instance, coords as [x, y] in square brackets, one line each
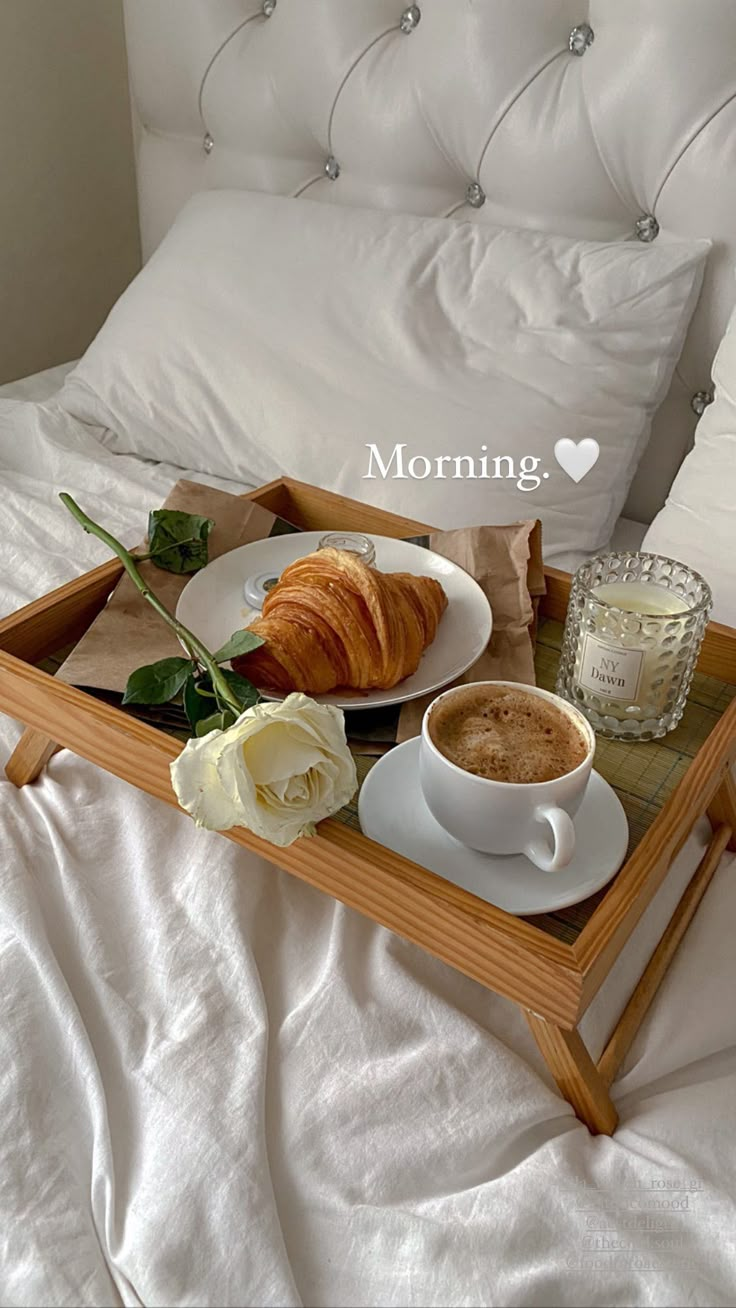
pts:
[351, 541]
[634, 627]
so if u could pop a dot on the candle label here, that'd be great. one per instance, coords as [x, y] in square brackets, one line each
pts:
[612, 672]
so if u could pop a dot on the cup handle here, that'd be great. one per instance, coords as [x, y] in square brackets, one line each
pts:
[563, 832]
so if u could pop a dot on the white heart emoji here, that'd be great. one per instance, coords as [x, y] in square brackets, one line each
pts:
[577, 460]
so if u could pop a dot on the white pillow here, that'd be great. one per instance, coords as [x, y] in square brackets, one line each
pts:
[698, 523]
[271, 336]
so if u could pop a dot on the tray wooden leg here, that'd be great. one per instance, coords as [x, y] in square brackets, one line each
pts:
[30, 756]
[656, 969]
[722, 809]
[576, 1074]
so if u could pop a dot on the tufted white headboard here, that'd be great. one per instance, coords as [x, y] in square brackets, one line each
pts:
[607, 120]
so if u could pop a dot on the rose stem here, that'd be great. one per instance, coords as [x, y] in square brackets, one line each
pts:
[175, 545]
[194, 647]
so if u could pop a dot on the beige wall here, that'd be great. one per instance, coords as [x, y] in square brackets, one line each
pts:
[68, 220]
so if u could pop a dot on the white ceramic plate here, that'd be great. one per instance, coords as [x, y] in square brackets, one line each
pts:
[392, 812]
[213, 607]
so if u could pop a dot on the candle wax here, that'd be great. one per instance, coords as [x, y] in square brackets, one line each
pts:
[640, 597]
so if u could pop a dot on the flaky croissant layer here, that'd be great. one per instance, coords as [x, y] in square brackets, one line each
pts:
[333, 622]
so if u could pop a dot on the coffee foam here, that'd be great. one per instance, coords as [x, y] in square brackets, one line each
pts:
[505, 734]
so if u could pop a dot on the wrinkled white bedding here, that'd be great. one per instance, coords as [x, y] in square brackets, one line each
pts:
[219, 1087]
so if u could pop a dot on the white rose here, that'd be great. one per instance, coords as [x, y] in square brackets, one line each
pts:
[279, 769]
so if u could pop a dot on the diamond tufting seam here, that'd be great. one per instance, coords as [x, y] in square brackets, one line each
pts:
[216, 56]
[594, 136]
[514, 99]
[305, 187]
[453, 164]
[693, 137]
[381, 36]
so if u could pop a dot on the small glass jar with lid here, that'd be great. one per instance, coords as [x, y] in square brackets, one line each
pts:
[353, 543]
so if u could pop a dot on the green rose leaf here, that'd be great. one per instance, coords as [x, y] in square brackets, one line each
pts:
[157, 683]
[241, 642]
[215, 722]
[177, 542]
[245, 691]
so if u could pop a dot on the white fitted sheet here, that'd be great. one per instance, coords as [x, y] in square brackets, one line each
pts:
[218, 1086]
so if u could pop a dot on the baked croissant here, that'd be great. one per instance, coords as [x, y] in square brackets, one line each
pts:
[332, 621]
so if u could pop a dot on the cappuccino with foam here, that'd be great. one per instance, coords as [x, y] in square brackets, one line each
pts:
[503, 733]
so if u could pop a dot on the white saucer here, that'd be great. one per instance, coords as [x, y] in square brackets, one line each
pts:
[392, 812]
[212, 606]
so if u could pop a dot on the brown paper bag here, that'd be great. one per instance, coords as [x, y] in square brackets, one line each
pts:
[507, 564]
[128, 633]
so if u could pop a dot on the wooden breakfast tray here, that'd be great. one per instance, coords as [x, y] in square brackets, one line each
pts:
[553, 965]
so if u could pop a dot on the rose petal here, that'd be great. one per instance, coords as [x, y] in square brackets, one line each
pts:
[275, 753]
[194, 776]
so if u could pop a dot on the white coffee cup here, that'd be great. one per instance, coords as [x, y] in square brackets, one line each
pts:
[505, 817]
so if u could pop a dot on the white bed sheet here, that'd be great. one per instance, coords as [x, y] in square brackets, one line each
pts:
[219, 1087]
